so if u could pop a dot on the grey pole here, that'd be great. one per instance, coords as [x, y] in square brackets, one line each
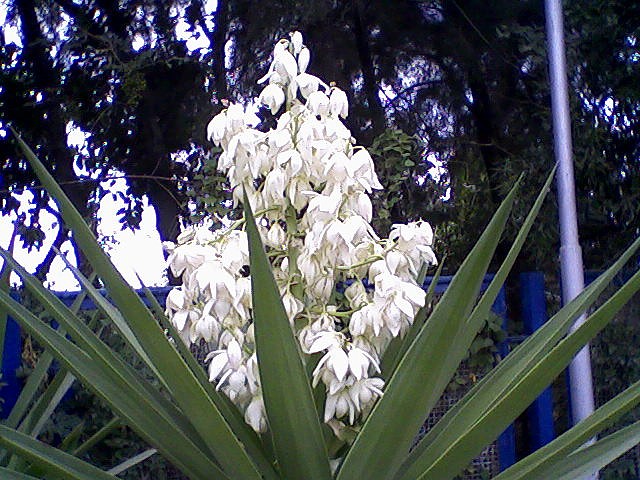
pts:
[572, 272]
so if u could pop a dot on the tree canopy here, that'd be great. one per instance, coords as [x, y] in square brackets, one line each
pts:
[452, 95]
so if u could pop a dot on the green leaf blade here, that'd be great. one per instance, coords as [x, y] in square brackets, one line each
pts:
[288, 398]
[7, 474]
[51, 459]
[458, 445]
[588, 460]
[144, 413]
[181, 382]
[382, 444]
[506, 373]
[557, 450]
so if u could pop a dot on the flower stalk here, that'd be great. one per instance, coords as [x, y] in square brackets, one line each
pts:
[309, 185]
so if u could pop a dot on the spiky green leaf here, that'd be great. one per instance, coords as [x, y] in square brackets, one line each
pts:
[293, 419]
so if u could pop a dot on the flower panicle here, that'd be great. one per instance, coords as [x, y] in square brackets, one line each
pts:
[311, 184]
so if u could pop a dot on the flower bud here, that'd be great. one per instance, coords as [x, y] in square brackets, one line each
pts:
[338, 103]
[276, 236]
[296, 42]
[303, 59]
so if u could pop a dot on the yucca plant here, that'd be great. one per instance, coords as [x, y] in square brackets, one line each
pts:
[45, 389]
[304, 391]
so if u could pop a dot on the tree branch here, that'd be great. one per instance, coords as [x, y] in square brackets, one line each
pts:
[43, 269]
[217, 39]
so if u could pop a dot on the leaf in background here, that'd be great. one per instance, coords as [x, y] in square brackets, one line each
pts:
[557, 450]
[458, 443]
[587, 460]
[51, 460]
[7, 474]
[120, 389]
[132, 462]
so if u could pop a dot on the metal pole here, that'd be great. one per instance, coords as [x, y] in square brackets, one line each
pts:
[572, 271]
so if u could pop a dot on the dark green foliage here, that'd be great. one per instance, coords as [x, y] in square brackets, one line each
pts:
[616, 363]
[207, 190]
[410, 191]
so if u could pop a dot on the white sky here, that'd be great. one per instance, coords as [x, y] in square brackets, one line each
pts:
[132, 252]
[31, 259]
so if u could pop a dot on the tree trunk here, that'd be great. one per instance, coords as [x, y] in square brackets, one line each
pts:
[486, 132]
[167, 213]
[219, 39]
[46, 80]
[370, 83]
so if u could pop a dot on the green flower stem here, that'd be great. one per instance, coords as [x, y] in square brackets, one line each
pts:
[294, 272]
[344, 314]
[240, 222]
[369, 261]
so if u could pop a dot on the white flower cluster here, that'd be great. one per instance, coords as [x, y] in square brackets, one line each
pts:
[347, 292]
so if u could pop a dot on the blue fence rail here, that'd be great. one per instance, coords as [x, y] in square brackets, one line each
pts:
[539, 415]
[534, 315]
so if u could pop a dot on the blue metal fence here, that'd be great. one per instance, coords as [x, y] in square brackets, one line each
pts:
[11, 361]
[534, 313]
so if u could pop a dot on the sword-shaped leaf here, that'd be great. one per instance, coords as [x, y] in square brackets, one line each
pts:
[291, 412]
[461, 441]
[185, 388]
[590, 459]
[56, 463]
[557, 450]
[391, 427]
[7, 474]
[121, 390]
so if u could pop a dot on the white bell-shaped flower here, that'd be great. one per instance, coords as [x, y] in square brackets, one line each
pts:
[365, 391]
[217, 128]
[272, 97]
[323, 208]
[276, 236]
[235, 117]
[255, 414]
[335, 362]
[338, 103]
[307, 84]
[310, 333]
[367, 321]
[364, 170]
[303, 59]
[296, 42]
[285, 64]
[224, 361]
[292, 305]
[339, 405]
[318, 103]
[360, 362]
